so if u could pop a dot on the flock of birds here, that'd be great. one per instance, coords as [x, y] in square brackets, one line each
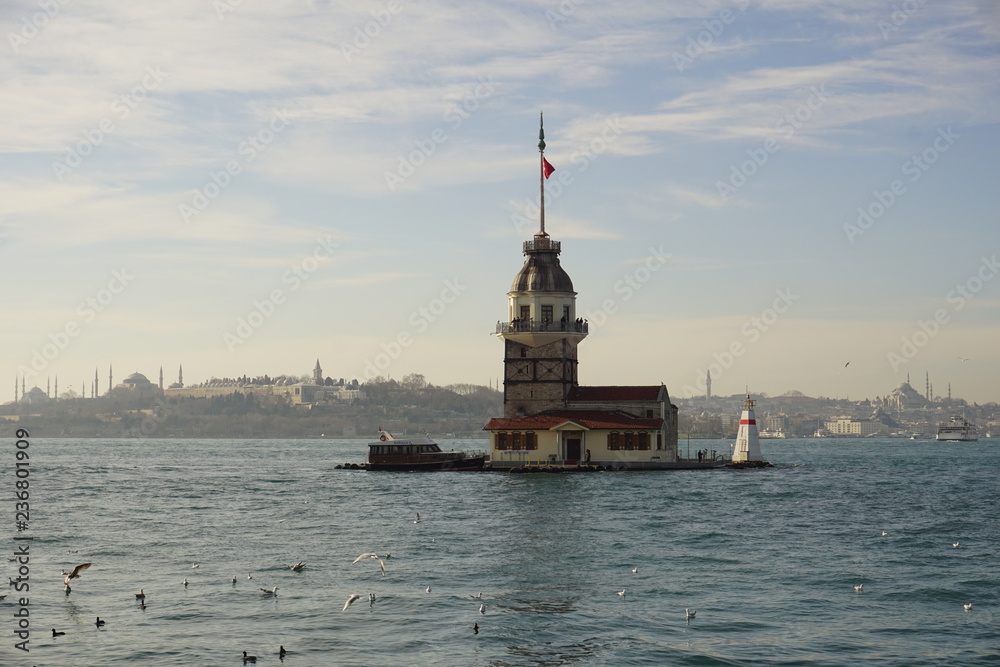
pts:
[301, 565]
[140, 597]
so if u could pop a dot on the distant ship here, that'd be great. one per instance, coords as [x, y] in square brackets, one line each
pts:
[958, 429]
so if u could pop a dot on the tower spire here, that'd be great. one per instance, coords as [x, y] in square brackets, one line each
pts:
[541, 174]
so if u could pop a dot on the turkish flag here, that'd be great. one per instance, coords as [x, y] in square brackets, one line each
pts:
[547, 168]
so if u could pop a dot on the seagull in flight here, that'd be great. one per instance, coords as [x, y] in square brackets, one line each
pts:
[954, 544]
[350, 601]
[968, 607]
[885, 534]
[688, 614]
[635, 570]
[859, 587]
[269, 591]
[298, 567]
[963, 358]
[368, 555]
[417, 520]
[75, 574]
[622, 592]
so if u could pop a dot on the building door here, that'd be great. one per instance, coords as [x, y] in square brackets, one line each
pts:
[572, 449]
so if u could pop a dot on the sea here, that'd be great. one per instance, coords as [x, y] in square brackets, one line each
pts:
[503, 569]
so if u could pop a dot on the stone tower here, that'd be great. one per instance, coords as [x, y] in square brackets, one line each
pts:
[542, 332]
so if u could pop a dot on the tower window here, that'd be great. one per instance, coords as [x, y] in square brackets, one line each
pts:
[566, 313]
[546, 313]
[525, 313]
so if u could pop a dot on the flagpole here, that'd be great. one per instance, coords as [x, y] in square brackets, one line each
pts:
[541, 173]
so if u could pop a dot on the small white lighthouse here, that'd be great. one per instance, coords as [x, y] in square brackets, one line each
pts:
[747, 447]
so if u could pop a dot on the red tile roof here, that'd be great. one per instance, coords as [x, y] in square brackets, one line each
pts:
[612, 393]
[589, 419]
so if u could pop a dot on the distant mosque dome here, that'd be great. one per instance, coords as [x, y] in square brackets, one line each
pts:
[35, 396]
[136, 380]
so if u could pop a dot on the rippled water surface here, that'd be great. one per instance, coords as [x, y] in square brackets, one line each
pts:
[768, 559]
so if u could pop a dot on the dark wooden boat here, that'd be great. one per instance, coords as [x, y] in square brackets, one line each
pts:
[418, 454]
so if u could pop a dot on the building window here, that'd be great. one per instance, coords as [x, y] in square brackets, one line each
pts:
[546, 313]
[515, 441]
[659, 440]
[629, 441]
[614, 438]
[525, 313]
[530, 441]
[566, 313]
[501, 441]
[643, 439]
[649, 414]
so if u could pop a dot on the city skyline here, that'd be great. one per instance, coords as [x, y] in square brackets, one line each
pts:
[793, 198]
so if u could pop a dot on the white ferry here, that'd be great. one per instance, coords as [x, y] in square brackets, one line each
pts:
[958, 429]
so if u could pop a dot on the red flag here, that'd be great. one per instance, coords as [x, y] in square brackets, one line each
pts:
[547, 168]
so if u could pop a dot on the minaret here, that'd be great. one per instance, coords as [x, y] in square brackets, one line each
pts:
[180, 374]
[15, 389]
[747, 447]
[55, 396]
[541, 332]
[48, 387]
[111, 382]
[96, 388]
[161, 378]
[708, 384]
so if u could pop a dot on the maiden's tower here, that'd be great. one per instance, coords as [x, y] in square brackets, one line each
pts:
[549, 418]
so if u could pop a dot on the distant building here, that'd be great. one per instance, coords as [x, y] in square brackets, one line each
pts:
[858, 428]
[776, 423]
[137, 384]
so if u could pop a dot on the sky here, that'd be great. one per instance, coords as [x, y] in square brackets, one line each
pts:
[789, 194]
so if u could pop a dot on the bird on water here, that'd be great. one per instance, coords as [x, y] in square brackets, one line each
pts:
[248, 658]
[55, 633]
[99, 623]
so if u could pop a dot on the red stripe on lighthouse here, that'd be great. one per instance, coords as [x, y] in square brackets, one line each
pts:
[748, 421]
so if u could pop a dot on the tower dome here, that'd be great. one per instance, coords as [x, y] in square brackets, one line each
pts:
[541, 271]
